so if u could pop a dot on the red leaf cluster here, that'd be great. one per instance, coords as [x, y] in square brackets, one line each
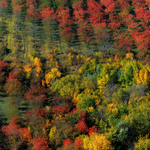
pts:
[66, 142]
[39, 143]
[81, 126]
[47, 13]
[3, 4]
[17, 9]
[65, 23]
[32, 10]
[61, 110]
[10, 77]
[2, 65]
[79, 142]
[12, 128]
[92, 130]
[41, 112]
[25, 134]
[35, 94]
[28, 115]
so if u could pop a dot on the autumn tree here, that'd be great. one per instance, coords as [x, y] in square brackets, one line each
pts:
[65, 23]
[17, 137]
[84, 30]
[142, 41]
[98, 22]
[36, 96]
[97, 142]
[39, 143]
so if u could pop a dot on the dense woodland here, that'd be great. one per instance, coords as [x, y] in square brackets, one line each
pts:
[77, 73]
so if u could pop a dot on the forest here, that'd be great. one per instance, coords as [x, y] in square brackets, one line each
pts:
[74, 74]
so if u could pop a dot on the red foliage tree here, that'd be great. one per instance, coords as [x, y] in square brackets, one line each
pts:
[47, 14]
[95, 11]
[79, 142]
[32, 10]
[114, 26]
[13, 86]
[65, 23]
[144, 16]
[61, 110]
[19, 74]
[83, 30]
[36, 94]
[40, 112]
[142, 40]
[17, 9]
[28, 114]
[123, 4]
[40, 143]
[81, 126]
[12, 129]
[66, 142]
[25, 134]
[96, 18]
[92, 130]
[110, 6]
[123, 41]
[12, 77]
[2, 66]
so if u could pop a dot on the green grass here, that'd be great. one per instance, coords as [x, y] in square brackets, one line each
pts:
[6, 111]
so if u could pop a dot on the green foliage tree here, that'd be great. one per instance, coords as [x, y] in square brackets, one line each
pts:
[85, 100]
[67, 86]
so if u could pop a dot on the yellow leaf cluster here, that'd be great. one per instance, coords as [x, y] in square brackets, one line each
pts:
[103, 82]
[81, 70]
[143, 143]
[50, 57]
[143, 76]
[129, 56]
[90, 109]
[69, 55]
[97, 142]
[13, 64]
[112, 109]
[38, 67]
[52, 132]
[35, 61]
[49, 77]
[37, 64]
[27, 68]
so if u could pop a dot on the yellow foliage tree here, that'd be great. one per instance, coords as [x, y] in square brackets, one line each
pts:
[52, 133]
[36, 63]
[97, 142]
[51, 76]
[143, 76]
[28, 69]
[142, 143]
[129, 56]
[102, 83]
